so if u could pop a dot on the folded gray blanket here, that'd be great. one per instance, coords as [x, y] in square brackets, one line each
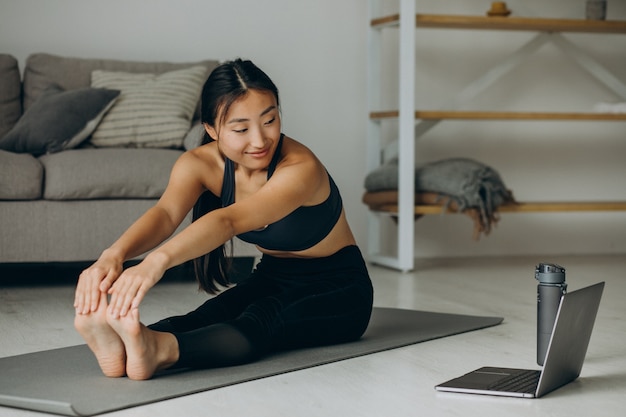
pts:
[469, 183]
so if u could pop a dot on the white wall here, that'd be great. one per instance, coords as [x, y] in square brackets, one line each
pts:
[316, 52]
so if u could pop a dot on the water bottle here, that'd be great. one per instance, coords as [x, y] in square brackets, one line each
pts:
[550, 289]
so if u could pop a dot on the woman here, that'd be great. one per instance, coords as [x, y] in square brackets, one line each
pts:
[311, 286]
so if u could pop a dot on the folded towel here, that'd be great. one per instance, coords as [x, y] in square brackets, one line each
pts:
[461, 182]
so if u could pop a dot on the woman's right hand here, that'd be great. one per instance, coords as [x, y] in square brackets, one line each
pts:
[95, 280]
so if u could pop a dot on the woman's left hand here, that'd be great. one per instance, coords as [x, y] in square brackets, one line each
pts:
[132, 286]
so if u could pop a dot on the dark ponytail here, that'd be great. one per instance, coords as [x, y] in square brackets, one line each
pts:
[227, 83]
[212, 268]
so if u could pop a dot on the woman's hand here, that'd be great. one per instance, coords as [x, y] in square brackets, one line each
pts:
[95, 280]
[133, 284]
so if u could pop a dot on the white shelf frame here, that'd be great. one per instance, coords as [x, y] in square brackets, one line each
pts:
[410, 129]
[404, 260]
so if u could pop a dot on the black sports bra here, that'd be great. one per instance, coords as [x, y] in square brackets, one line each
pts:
[302, 228]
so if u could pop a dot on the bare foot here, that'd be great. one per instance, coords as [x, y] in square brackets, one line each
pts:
[147, 351]
[106, 345]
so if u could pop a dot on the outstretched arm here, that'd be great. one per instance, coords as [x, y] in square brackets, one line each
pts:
[296, 182]
[151, 229]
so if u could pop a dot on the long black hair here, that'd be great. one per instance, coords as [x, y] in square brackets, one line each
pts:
[226, 84]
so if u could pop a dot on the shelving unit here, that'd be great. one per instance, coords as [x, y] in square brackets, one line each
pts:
[413, 123]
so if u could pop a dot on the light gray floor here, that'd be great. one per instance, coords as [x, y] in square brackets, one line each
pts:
[394, 383]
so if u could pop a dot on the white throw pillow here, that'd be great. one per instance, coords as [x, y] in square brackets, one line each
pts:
[153, 110]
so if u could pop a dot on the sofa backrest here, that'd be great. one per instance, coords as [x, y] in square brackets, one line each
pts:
[45, 70]
[10, 93]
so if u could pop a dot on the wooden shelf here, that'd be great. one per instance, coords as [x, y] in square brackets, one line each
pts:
[498, 115]
[529, 207]
[507, 23]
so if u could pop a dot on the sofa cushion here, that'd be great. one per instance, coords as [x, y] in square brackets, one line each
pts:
[21, 176]
[44, 70]
[153, 110]
[10, 93]
[83, 174]
[59, 120]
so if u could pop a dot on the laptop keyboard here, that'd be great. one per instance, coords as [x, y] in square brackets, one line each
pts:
[525, 382]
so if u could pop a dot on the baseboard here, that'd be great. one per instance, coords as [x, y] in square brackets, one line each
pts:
[63, 273]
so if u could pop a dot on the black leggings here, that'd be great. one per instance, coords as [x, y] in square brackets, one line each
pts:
[286, 303]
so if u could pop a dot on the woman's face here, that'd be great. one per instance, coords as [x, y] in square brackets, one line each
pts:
[249, 133]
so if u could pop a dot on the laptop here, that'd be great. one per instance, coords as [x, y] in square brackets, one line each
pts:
[564, 358]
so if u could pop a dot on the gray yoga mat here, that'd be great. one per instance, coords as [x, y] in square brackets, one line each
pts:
[68, 381]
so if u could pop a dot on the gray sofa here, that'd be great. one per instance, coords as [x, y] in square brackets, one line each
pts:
[73, 177]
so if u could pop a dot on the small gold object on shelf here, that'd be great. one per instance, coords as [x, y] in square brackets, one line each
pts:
[498, 8]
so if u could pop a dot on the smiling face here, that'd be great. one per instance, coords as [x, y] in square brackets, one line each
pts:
[249, 132]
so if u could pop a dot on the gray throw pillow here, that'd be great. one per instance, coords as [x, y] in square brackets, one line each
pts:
[59, 120]
[194, 137]
[10, 93]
